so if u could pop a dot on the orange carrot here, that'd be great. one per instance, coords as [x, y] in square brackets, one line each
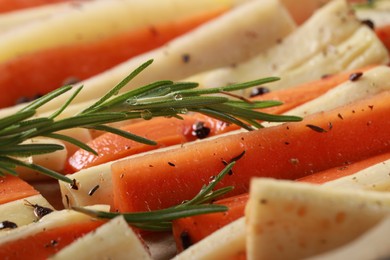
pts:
[44, 244]
[40, 72]
[14, 5]
[384, 34]
[193, 229]
[165, 131]
[289, 151]
[172, 131]
[13, 188]
[190, 230]
[344, 170]
[293, 97]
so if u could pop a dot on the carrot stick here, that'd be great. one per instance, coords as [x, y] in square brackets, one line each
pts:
[289, 151]
[344, 170]
[165, 131]
[13, 188]
[40, 72]
[187, 229]
[384, 34]
[47, 242]
[295, 96]
[190, 230]
[14, 5]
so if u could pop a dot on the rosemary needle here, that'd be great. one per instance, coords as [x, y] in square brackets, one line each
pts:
[161, 98]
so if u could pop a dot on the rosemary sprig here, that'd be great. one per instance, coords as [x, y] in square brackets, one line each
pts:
[161, 98]
[369, 4]
[161, 220]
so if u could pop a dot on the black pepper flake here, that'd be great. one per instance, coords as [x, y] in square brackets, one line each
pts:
[238, 157]
[294, 161]
[7, 224]
[70, 81]
[186, 58]
[371, 107]
[25, 99]
[251, 34]
[171, 164]
[185, 239]
[325, 76]
[316, 128]
[286, 143]
[368, 23]
[355, 76]
[93, 190]
[342, 168]
[67, 200]
[259, 91]
[340, 116]
[153, 30]
[39, 211]
[200, 130]
[52, 243]
[330, 125]
[263, 201]
[74, 186]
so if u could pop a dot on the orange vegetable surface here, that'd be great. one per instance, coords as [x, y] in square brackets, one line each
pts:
[15, 5]
[165, 131]
[45, 243]
[384, 34]
[288, 151]
[38, 73]
[13, 188]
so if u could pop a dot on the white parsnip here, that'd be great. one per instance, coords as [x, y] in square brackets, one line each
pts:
[19, 212]
[113, 240]
[292, 220]
[11, 20]
[371, 245]
[52, 220]
[333, 40]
